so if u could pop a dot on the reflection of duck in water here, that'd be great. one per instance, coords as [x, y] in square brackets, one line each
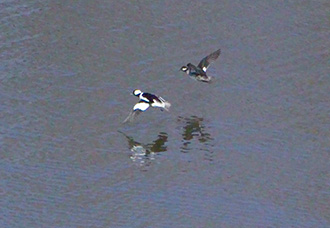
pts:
[146, 150]
[194, 128]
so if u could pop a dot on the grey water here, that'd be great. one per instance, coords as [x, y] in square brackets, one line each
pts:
[250, 149]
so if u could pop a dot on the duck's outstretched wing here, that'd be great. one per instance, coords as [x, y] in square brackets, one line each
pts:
[132, 115]
[205, 63]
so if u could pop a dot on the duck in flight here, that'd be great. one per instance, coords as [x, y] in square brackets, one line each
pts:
[146, 100]
[199, 72]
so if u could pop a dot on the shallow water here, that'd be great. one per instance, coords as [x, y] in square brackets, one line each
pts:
[250, 149]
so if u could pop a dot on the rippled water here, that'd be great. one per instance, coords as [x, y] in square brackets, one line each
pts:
[250, 149]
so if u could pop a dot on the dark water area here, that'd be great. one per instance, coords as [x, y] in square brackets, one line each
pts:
[251, 149]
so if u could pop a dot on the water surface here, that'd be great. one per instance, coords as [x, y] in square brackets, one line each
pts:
[250, 149]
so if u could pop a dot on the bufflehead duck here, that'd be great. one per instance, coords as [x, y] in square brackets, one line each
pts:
[199, 73]
[146, 100]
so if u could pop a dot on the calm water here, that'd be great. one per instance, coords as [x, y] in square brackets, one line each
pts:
[249, 150]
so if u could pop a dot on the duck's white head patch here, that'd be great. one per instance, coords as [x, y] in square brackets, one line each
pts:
[184, 68]
[137, 92]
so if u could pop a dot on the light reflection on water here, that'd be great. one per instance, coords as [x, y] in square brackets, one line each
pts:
[144, 154]
[194, 128]
[195, 136]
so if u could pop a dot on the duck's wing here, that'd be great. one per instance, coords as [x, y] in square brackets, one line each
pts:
[156, 101]
[141, 106]
[132, 115]
[205, 63]
[148, 97]
[131, 142]
[137, 109]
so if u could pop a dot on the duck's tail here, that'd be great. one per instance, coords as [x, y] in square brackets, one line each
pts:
[164, 104]
[167, 105]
